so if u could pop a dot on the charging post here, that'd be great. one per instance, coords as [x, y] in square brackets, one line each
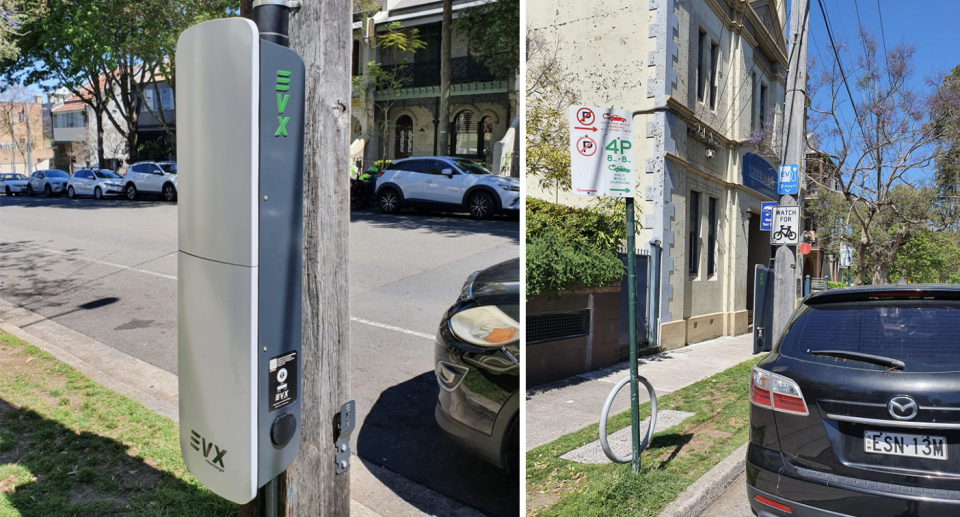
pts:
[240, 111]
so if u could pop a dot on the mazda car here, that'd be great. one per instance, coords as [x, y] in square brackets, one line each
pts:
[446, 183]
[51, 182]
[856, 410]
[477, 365]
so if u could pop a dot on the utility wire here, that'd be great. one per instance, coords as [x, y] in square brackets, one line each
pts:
[840, 66]
[882, 35]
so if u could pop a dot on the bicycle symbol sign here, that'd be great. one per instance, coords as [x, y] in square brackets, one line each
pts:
[786, 225]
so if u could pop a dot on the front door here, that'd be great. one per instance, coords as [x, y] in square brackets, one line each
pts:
[440, 188]
[404, 143]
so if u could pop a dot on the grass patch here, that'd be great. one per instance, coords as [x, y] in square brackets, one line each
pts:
[69, 446]
[676, 457]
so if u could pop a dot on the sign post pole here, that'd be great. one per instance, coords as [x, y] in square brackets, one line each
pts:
[601, 164]
[632, 319]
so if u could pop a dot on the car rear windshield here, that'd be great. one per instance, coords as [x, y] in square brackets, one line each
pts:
[105, 174]
[57, 174]
[921, 334]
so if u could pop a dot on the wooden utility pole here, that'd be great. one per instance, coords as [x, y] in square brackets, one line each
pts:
[321, 33]
[26, 107]
[445, 49]
[793, 151]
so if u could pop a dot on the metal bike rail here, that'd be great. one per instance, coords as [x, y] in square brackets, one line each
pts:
[606, 410]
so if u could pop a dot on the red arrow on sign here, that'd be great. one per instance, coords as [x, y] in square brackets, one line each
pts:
[587, 129]
[583, 190]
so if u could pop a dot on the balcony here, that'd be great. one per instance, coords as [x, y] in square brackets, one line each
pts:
[69, 134]
[462, 70]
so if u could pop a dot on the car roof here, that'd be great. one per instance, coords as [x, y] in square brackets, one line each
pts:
[865, 292]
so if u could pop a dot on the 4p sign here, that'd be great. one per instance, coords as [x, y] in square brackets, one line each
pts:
[601, 154]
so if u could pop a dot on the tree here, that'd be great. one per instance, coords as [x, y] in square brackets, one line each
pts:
[16, 14]
[446, 46]
[14, 109]
[548, 98]
[388, 80]
[493, 35]
[107, 52]
[880, 151]
[928, 257]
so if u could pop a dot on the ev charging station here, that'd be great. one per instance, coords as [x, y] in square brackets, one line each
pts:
[240, 113]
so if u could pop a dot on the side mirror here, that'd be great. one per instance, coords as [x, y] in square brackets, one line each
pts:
[447, 172]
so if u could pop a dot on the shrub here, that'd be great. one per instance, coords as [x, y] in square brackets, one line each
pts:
[554, 266]
[835, 285]
[577, 227]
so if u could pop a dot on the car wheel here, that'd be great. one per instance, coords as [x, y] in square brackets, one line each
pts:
[389, 201]
[511, 456]
[480, 205]
[29, 191]
[97, 193]
[48, 190]
[131, 191]
[169, 193]
[71, 193]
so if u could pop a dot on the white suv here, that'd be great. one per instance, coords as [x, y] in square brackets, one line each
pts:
[446, 183]
[151, 178]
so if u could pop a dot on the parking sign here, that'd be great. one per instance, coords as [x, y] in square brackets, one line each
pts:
[601, 152]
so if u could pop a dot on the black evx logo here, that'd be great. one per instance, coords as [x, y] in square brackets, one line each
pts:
[196, 440]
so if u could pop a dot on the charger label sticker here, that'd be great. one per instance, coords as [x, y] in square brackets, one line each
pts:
[283, 380]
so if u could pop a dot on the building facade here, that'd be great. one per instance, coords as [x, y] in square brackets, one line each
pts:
[393, 123]
[21, 137]
[705, 80]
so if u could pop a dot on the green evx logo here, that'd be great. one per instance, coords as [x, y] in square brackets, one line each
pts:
[283, 84]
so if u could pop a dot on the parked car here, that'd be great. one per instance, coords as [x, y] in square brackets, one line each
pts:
[155, 178]
[50, 181]
[477, 366]
[94, 182]
[856, 409]
[13, 184]
[449, 183]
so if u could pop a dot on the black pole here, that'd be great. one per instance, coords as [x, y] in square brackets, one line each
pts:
[273, 20]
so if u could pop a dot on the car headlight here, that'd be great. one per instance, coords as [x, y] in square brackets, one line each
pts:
[485, 326]
[510, 188]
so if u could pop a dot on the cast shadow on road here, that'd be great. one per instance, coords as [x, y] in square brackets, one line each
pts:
[449, 224]
[42, 201]
[23, 285]
[401, 435]
[55, 470]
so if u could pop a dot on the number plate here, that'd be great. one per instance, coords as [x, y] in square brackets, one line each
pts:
[911, 445]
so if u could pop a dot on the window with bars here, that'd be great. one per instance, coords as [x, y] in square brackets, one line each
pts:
[712, 239]
[694, 232]
[465, 134]
[555, 326]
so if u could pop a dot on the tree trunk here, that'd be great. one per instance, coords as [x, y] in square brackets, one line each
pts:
[321, 33]
[100, 153]
[445, 46]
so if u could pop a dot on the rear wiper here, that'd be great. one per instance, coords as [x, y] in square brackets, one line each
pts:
[867, 358]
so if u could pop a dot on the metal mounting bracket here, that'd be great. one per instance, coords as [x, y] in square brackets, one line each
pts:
[348, 421]
[293, 5]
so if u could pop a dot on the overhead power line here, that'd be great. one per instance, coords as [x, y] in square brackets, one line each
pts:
[883, 37]
[843, 75]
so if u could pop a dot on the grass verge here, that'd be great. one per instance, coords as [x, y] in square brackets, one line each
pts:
[69, 446]
[676, 457]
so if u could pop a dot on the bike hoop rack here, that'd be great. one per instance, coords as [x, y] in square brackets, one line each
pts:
[606, 410]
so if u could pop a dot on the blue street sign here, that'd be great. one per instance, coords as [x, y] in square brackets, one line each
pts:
[766, 215]
[788, 179]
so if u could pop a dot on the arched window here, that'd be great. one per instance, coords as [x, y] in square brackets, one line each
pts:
[464, 134]
[404, 142]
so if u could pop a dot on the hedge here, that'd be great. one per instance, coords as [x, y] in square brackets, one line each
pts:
[554, 266]
[577, 227]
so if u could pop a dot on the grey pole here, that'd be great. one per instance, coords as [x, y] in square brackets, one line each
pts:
[792, 152]
[632, 318]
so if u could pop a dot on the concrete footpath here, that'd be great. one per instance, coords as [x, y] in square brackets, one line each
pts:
[157, 389]
[565, 406]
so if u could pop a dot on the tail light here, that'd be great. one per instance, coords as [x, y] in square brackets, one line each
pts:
[776, 392]
[772, 504]
[380, 173]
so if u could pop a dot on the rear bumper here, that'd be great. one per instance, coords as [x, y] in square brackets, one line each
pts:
[771, 477]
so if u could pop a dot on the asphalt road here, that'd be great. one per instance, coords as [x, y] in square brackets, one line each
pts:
[107, 269]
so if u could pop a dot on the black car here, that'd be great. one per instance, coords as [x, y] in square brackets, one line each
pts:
[857, 409]
[477, 366]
